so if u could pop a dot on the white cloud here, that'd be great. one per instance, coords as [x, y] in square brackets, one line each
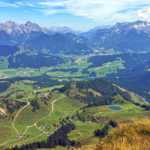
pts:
[25, 3]
[17, 4]
[97, 9]
[6, 4]
[53, 4]
[144, 15]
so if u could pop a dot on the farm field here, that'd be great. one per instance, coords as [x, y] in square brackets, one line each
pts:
[74, 67]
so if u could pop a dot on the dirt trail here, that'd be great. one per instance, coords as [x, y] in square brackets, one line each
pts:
[96, 117]
[63, 96]
[35, 124]
[16, 116]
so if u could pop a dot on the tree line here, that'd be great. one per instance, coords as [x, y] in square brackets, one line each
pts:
[104, 131]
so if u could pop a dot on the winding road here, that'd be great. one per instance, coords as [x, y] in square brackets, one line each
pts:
[35, 124]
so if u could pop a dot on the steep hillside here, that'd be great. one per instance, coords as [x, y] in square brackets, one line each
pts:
[131, 136]
[68, 43]
[98, 92]
[12, 33]
[8, 50]
[8, 107]
[138, 83]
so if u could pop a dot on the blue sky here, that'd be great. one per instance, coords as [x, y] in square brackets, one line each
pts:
[77, 14]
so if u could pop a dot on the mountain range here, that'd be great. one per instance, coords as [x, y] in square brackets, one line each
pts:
[123, 37]
[120, 38]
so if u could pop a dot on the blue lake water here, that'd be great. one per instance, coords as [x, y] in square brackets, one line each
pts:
[115, 107]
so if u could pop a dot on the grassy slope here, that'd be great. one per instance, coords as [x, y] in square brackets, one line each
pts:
[107, 68]
[62, 107]
[135, 97]
[6, 130]
[27, 117]
[84, 132]
[129, 111]
[18, 88]
[131, 136]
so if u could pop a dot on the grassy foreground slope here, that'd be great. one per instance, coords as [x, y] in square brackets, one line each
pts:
[131, 136]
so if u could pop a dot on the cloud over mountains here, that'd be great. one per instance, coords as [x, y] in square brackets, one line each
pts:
[104, 10]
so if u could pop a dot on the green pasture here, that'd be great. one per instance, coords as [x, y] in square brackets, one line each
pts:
[129, 111]
[107, 68]
[84, 132]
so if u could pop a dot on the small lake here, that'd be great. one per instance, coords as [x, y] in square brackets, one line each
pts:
[115, 107]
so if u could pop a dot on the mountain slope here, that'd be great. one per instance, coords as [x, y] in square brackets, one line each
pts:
[13, 34]
[8, 50]
[122, 137]
[123, 37]
[8, 107]
[60, 29]
[33, 37]
[138, 83]
[98, 92]
[61, 43]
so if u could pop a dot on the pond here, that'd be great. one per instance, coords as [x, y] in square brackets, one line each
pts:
[115, 107]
